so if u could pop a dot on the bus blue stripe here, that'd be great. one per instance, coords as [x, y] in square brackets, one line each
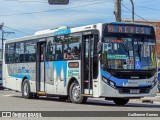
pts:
[144, 85]
[21, 76]
[118, 82]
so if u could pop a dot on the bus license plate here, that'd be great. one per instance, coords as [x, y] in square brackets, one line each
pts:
[135, 91]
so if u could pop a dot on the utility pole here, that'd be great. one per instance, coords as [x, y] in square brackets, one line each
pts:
[132, 10]
[117, 11]
[4, 32]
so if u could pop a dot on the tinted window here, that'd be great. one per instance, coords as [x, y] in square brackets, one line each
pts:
[19, 52]
[50, 49]
[58, 47]
[9, 51]
[30, 51]
[72, 46]
[63, 47]
[54, 48]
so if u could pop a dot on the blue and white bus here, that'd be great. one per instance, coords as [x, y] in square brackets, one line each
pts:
[115, 61]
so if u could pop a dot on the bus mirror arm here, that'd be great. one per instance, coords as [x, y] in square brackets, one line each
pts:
[99, 47]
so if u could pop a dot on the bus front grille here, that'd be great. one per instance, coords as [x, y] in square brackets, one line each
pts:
[128, 90]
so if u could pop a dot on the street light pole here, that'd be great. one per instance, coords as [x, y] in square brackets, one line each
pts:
[132, 10]
[3, 32]
[117, 11]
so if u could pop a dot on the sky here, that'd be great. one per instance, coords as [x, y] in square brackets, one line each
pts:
[25, 17]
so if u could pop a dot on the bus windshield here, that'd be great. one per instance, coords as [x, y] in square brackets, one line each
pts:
[134, 53]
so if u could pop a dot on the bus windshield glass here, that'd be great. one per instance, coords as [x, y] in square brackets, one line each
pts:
[134, 53]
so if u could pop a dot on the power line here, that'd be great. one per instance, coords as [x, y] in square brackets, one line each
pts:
[45, 1]
[143, 7]
[17, 30]
[126, 11]
[25, 1]
[57, 9]
[138, 15]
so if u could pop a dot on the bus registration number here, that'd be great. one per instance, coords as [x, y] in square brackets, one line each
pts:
[135, 91]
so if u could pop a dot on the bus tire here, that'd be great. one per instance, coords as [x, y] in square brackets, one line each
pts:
[75, 94]
[120, 101]
[26, 90]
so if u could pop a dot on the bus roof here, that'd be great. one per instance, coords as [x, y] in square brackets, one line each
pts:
[66, 30]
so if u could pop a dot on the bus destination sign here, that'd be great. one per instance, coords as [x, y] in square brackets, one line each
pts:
[128, 29]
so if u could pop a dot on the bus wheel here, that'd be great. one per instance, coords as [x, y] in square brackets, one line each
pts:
[75, 94]
[26, 90]
[120, 101]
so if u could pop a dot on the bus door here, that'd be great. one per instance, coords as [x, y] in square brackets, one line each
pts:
[40, 66]
[87, 64]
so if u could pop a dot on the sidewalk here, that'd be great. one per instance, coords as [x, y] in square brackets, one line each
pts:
[155, 99]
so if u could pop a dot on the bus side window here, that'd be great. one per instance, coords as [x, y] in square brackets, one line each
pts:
[30, 51]
[19, 52]
[10, 53]
[72, 42]
[50, 56]
[75, 52]
[59, 55]
[58, 47]
[6, 53]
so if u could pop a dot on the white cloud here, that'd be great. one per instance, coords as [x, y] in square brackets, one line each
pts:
[70, 17]
[103, 12]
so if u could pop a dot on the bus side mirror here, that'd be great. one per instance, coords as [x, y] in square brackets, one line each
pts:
[99, 47]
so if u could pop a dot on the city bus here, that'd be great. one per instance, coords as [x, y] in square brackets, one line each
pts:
[115, 61]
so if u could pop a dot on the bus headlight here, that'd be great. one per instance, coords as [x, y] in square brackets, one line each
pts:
[112, 84]
[109, 82]
[105, 80]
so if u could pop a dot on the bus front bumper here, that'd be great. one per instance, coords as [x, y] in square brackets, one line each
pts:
[123, 92]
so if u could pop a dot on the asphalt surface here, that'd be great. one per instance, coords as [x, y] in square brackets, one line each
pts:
[12, 101]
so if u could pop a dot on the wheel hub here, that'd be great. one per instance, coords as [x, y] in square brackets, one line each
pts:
[25, 89]
[76, 92]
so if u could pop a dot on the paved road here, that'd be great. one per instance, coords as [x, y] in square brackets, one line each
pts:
[12, 101]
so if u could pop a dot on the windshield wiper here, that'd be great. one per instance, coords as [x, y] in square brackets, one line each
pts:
[140, 48]
[125, 48]
[139, 51]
